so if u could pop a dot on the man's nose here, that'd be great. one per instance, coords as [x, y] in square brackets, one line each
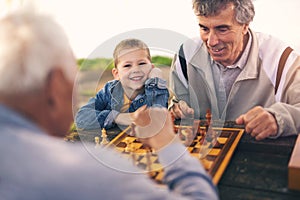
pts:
[212, 39]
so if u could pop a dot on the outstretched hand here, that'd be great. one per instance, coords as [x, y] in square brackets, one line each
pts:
[259, 123]
[181, 110]
[154, 127]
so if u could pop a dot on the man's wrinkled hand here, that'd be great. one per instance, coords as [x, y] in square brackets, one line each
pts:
[259, 123]
[181, 110]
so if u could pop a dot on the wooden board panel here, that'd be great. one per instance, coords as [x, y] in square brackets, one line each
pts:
[294, 167]
[213, 152]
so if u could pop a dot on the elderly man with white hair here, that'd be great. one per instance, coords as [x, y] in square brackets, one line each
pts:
[37, 72]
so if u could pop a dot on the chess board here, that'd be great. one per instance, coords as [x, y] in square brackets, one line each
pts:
[214, 156]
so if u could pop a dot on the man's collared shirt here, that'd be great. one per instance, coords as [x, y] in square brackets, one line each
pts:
[225, 76]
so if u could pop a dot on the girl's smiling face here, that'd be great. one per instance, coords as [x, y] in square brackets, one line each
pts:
[132, 70]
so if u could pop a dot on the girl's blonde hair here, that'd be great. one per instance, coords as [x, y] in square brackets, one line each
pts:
[129, 44]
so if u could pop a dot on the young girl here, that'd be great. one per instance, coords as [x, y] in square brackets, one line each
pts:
[137, 83]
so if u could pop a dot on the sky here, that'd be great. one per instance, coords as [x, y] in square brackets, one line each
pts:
[95, 26]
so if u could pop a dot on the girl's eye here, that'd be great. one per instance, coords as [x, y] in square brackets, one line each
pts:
[142, 63]
[128, 65]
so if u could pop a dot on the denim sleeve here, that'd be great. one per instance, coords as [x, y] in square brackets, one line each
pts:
[156, 92]
[86, 117]
[109, 119]
[97, 113]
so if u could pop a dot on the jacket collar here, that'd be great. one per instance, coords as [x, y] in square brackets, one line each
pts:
[116, 91]
[251, 69]
[201, 60]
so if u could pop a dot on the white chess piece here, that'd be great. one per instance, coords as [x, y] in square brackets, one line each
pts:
[97, 141]
[104, 137]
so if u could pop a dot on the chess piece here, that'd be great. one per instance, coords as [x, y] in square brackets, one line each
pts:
[127, 141]
[209, 142]
[188, 136]
[211, 135]
[97, 142]
[104, 137]
[208, 117]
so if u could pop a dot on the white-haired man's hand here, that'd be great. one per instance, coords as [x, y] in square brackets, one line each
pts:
[153, 127]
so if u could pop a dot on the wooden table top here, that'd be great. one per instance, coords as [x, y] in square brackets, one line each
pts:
[259, 170]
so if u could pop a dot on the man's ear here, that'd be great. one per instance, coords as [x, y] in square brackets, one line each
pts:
[58, 102]
[115, 73]
[54, 80]
[245, 29]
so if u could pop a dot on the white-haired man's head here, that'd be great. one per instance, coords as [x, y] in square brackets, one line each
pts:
[30, 46]
[37, 70]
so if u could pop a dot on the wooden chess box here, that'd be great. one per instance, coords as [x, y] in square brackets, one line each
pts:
[294, 167]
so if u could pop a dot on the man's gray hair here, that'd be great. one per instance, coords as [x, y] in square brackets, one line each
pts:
[244, 9]
[31, 45]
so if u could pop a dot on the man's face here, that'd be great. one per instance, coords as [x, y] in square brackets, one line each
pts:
[66, 116]
[63, 95]
[132, 70]
[223, 36]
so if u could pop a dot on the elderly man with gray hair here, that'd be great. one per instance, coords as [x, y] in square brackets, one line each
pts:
[240, 75]
[37, 73]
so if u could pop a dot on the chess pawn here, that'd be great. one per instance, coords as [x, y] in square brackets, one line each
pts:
[97, 142]
[127, 148]
[208, 117]
[104, 137]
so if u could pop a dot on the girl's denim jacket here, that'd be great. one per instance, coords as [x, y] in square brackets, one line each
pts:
[101, 110]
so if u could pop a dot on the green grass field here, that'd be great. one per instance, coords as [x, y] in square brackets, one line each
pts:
[107, 63]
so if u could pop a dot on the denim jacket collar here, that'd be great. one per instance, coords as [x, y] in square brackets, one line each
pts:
[116, 91]
[117, 100]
